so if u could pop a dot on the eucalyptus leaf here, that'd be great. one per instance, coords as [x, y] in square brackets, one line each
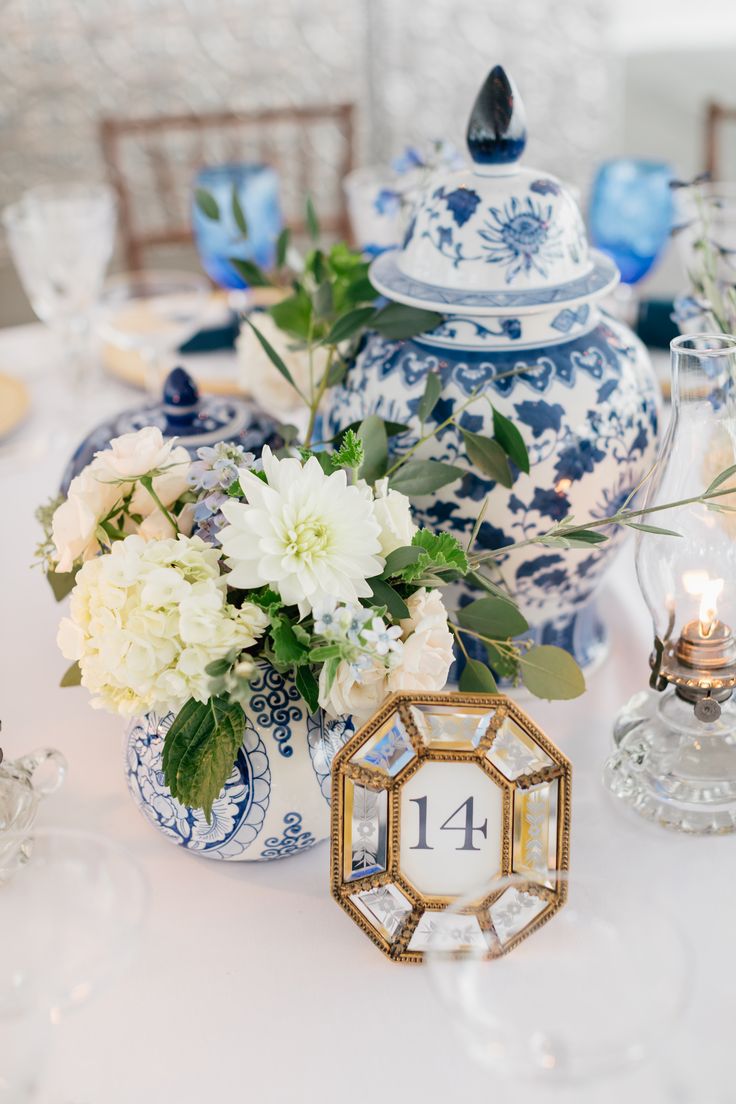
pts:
[385, 595]
[348, 325]
[493, 618]
[312, 220]
[372, 432]
[238, 213]
[282, 246]
[720, 479]
[272, 354]
[200, 749]
[510, 440]
[207, 203]
[400, 321]
[551, 672]
[250, 272]
[504, 664]
[476, 678]
[393, 429]
[421, 477]
[488, 455]
[643, 528]
[294, 314]
[581, 538]
[72, 676]
[432, 392]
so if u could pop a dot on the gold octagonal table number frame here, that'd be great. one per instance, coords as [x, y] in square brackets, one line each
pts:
[433, 797]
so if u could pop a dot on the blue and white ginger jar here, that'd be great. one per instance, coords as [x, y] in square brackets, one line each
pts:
[276, 802]
[501, 251]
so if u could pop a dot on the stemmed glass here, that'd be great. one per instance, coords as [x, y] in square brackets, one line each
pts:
[61, 238]
[71, 906]
[558, 980]
[152, 313]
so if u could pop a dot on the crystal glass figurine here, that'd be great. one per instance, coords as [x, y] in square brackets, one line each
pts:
[22, 785]
[675, 756]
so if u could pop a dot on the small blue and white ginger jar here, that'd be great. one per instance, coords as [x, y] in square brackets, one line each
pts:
[276, 802]
[501, 252]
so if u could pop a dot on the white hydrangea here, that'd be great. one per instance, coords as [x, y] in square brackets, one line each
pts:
[146, 620]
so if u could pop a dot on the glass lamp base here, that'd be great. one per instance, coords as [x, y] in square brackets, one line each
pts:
[672, 768]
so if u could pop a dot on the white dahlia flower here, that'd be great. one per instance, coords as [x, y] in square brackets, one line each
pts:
[309, 535]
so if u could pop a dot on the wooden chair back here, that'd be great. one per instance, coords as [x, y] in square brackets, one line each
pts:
[717, 115]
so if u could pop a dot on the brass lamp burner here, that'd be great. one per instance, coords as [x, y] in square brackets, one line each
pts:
[700, 665]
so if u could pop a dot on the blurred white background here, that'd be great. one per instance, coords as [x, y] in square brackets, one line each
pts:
[599, 77]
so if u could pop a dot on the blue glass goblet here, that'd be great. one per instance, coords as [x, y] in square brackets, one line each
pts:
[256, 187]
[631, 213]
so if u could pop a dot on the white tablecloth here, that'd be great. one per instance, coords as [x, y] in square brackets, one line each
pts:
[251, 984]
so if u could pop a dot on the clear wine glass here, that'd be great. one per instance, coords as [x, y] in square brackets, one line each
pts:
[72, 906]
[558, 980]
[152, 313]
[61, 238]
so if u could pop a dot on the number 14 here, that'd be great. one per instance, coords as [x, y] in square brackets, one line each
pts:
[468, 828]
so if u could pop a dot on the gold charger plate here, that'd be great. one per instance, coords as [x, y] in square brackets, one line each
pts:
[14, 403]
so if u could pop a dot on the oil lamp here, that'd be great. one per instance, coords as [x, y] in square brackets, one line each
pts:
[675, 745]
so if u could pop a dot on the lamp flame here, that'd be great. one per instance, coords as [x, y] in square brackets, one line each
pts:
[700, 585]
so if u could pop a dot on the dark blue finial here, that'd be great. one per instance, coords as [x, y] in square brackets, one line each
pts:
[181, 399]
[497, 125]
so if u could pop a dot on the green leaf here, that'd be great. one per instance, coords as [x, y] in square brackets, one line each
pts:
[294, 315]
[372, 432]
[252, 273]
[720, 479]
[61, 582]
[359, 290]
[440, 553]
[581, 537]
[385, 595]
[488, 455]
[393, 429]
[200, 749]
[400, 558]
[331, 667]
[312, 221]
[207, 203]
[324, 652]
[282, 246]
[398, 321]
[495, 618]
[323, 300]
[267, 598]
[421, 477]
[552, 673]
[218, 667]
[272, 354]
[348, 325]
[308, 687]
[288, 649]
[351, 452]
[477, 679]
[238, 213]
[652, 529]
[510, 440]
[72, 676]
[432, 392]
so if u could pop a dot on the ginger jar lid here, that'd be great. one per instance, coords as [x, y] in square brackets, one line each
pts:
[496, 236]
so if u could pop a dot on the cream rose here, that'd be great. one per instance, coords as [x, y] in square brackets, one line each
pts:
[425, 660]
[355, 692]
[392, 511]
[262, 381]
[96, 490]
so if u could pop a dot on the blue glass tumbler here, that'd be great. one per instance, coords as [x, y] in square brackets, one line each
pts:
[256, 187]
[631, 213]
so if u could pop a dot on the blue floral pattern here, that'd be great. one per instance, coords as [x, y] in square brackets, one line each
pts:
[587, 409]
[276, 706]
[522, 237]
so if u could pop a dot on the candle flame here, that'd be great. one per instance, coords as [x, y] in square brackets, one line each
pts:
[700, 585]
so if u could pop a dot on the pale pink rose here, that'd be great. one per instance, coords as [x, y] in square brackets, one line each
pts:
[74, 525]
[427, 655]
[392, 511]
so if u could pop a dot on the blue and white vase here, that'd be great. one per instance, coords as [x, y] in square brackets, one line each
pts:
[501, 252]
[276, 801]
